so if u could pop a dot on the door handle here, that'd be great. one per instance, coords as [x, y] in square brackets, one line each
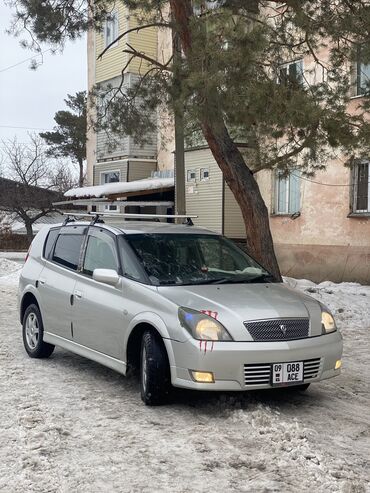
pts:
[78, 294]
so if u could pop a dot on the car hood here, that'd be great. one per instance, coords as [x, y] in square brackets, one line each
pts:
[238, 303]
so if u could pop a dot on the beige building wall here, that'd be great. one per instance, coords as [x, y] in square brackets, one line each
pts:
[324, 242]
[233, 219]
[204, 198]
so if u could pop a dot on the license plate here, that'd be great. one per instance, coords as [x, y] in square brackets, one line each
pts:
[287, 373]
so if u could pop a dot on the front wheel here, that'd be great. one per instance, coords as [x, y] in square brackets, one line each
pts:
[33, 334]
[155, 380]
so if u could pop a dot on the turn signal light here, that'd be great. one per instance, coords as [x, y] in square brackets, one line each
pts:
[338, 364]
[203, 376]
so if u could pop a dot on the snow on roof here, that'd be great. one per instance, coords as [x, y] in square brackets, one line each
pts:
[121, 187]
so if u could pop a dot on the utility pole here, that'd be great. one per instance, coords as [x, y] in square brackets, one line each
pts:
[179, 126]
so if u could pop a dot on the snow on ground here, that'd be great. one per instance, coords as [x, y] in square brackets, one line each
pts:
[71, 425]
[9, 271]
[13, 256]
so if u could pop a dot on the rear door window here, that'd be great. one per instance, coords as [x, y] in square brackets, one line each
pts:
[67, 250]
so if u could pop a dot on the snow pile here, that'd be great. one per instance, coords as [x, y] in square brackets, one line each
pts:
[121, 187]
[9, 271]
[349, 301]
[289, 445]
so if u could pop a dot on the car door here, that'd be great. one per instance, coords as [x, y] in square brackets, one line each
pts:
[98, 308]
[57, 280]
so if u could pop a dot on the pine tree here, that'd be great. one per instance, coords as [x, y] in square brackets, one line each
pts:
[68, 139]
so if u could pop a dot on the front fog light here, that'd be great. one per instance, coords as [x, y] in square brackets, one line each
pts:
[202, 376]
[338, 364]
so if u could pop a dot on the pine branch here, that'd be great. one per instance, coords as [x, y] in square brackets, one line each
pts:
[294, 152]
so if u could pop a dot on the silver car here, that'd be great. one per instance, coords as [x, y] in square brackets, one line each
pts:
[184, 305]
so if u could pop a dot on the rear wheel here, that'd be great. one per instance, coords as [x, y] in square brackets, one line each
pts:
[33, 334]
[155, 380]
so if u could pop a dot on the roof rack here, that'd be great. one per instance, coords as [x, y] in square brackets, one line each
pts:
[96, 216]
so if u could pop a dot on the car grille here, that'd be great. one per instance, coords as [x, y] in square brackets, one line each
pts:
[311, 368]
[260, 373]
[278, 329]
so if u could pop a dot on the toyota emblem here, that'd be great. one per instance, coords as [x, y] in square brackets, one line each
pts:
[283, 329]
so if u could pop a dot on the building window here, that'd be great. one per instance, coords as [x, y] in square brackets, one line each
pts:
[362, 78]
[111, 28]
[110, 208]
[361, 187]
[191, 175]
[204, 174]
[109, 177]
[291, 72]
[287, 192]
[204, 6]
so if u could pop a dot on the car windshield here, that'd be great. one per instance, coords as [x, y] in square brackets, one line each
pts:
[190, 259]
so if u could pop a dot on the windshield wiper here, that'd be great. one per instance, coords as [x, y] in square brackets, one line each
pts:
[260, 277]
[211, 281]
[222, 280]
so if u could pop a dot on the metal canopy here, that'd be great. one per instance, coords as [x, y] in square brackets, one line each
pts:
[129, 215]
[121, 203]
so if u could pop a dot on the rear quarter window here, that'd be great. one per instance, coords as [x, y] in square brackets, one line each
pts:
[67, 250]
[49, 243]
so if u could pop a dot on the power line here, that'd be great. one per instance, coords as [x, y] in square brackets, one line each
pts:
[24, 128]
[324, 184]
[24, 61]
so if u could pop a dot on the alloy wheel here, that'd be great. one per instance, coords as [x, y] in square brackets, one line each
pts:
[32, 330]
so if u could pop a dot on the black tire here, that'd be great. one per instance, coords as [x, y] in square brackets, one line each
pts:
[34, 341]
[155, 379]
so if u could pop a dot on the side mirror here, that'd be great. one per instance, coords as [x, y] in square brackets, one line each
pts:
[106, 276]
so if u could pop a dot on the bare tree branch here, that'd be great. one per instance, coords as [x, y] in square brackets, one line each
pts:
[143, 56]
[137, 29]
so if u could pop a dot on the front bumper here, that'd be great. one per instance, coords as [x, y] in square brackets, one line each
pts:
[230, 361]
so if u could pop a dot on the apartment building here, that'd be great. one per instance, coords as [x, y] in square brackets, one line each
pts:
[320, 225]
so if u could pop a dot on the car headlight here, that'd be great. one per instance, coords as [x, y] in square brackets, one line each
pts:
[327, 321]
[202, 326]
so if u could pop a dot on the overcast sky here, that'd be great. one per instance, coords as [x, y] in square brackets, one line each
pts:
[30, 98]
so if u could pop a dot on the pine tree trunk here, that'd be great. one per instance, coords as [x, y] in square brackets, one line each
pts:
[247, 194]
[232, 164]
